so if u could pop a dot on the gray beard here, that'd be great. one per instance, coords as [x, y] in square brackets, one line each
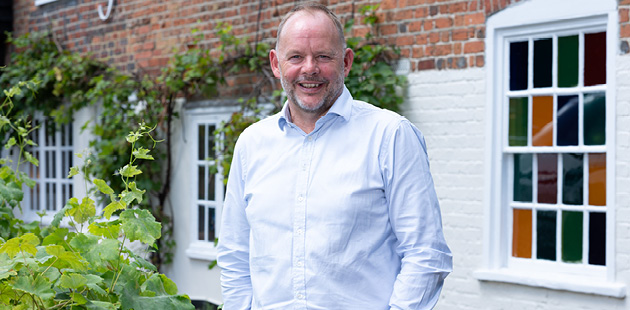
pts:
[322, 106]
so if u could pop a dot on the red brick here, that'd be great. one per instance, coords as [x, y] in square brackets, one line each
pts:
[421, 12]
[474, 19]
[457, 48]
[414, 26]
[428, 25]
[625, 31]
[418, 52]
[426, 64]
[404, 14]
[439, 50]
[474, 47]
[443, 22]
[389, 29]
[404, 41]
[434, 37]
[422, 39]
[623, 15]
[479, 61]
[460, 35]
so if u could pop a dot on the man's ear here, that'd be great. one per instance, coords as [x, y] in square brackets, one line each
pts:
[348, 59]
[273, 59]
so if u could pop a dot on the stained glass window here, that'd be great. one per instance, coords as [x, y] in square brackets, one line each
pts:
[556, 139]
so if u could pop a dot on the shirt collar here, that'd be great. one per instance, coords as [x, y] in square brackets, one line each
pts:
[342, 107]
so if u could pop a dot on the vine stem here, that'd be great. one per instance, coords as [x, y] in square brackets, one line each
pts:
[115, 280]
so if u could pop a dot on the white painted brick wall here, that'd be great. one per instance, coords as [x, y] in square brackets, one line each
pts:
[449, 107]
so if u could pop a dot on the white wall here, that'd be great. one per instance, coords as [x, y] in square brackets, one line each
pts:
[449, 107]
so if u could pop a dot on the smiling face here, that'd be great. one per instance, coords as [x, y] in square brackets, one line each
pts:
[311, 62]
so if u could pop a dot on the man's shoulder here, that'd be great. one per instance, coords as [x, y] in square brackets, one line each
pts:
[363, 111]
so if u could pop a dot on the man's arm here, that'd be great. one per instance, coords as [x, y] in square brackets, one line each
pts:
[233, 247]
[415, 218]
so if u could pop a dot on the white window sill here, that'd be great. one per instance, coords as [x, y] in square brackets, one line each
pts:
[571, 283]
[202, 250]
[41, 2]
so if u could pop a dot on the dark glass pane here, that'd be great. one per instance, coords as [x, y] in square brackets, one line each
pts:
[522, 233]
[595, 119]
[211, 225]
[572, 179]
[63, 134]
[211, 143]
[518, 65]
[597, 239]
[53, 168]
[572, 229]
[542, 63]
[547, 178]
[567, 130]
[568, 61]
[597, 179]
[201, 226]
[542, 121]
[546, 235]
[594, 58]
[211, 186]
[517, 135]
[201, 182]
[523, 177]
[201, 142]
[49, 164]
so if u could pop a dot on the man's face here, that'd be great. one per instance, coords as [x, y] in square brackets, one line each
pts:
[311, 62]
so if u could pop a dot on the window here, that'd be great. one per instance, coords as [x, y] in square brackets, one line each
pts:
[52, 189]
[42, 2]
[551, 163]
[207, 190]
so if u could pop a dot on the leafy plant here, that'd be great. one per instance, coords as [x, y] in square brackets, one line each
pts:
[84, 265]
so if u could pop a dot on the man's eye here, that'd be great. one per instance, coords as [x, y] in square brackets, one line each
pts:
[324, 57]
[294, 57]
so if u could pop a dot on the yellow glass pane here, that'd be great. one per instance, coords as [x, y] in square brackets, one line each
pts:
[542, 121]
[522, 233]
[597, 179]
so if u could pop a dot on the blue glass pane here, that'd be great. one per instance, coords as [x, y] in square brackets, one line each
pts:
[518, 65]
[567, 115]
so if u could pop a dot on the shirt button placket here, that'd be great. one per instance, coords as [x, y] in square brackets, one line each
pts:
[299, 224]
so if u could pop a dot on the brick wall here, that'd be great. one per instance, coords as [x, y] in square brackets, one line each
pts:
[141, 34]
[624, 26]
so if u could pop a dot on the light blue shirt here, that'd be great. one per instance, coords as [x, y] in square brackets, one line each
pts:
[345, 217]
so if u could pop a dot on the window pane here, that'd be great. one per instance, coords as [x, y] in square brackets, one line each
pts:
[522, 233]
[547, 178]
[568, 61]
[567, 120]
[201, 226]
[201, 185]
[594, 58]
[211, 225]
[546, 235]
[518, 65]
[573, 179]
[523, 177]
[518, 122]
[211, 150]
[210, 192]
[595, 119]
[201, 142]
[597, 179]
[542, 121]
[542, 63]
[572, 224]
[597, 239]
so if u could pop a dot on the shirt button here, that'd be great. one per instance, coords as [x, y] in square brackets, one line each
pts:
[299, 264]
[299, 232]
[310, 138]
[300, 296]
[301, 198]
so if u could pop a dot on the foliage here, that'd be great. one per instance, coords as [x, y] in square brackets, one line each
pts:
[87, 266]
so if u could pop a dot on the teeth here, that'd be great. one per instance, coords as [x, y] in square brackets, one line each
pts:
[310, 85]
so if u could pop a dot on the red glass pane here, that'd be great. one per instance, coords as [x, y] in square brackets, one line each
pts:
[547, 178]
[594, 58]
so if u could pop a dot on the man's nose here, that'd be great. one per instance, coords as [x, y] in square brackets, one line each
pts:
[310, 66]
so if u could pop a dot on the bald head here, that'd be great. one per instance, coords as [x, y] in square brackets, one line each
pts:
[312, 8]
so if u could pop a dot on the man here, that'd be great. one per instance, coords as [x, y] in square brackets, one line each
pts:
[330, 203]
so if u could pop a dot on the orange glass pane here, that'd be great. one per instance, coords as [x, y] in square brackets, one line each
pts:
[542, 121]
[597, 179]
[522, 233]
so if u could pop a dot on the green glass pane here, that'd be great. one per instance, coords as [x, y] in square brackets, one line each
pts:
[597, 239]
[572, 179]
[572, 227]
[201, 142]
[517, 135]
[595, 119]
[546, 235]
[542, 63]
[523, 177]
[568, 61]
[518, 65]
[594, 58]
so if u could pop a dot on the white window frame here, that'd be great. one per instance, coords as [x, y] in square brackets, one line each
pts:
[42, 2]
[60, 176]
[539, 18]
[201, 249]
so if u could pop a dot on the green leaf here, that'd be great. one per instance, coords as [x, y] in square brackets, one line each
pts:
[73, 171]
[160, 284]
[103, 187]
[62, 213]
[111, 208]
[26, 243]
[38, 287]
[65, 258]
[11, 192]
[133, 137]
[57, 236]
[78, 298]
[127, 197]
[100, 305]
[140, 225]
[110, 230]
[81, 213]
[10, 143]
[72, 280]
[31, 159]
[129, 171]
[142, 153]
